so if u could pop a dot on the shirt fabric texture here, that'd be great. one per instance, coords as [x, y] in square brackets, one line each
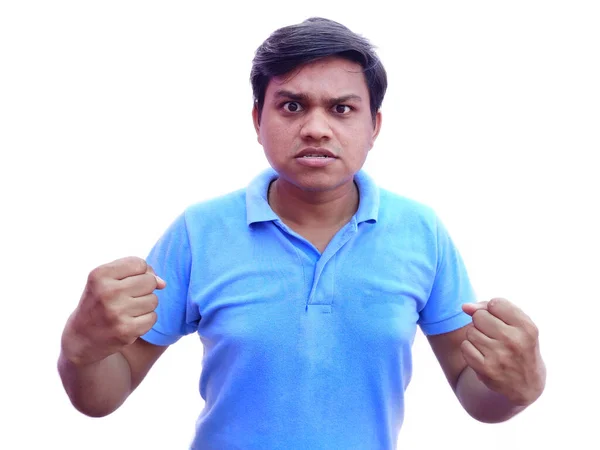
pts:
[304, 350]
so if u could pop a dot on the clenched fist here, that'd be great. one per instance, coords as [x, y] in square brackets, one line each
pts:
[117, 307]
[503, 349]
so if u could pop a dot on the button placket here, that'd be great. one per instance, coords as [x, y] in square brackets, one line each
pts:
[339, 240]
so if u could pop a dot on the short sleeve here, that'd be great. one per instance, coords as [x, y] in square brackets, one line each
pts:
[171, 260]
[451, 288]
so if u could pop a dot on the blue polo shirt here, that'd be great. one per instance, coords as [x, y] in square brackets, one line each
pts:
[302, 349]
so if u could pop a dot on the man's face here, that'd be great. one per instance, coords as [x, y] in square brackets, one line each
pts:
[316, 126]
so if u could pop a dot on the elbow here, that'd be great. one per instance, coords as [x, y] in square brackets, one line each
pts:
[92, 411]
[88, 404]
[491, 415]
[84, 396]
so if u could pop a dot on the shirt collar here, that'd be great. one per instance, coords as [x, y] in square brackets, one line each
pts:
[257, 204]
[368, 207]
[259, 210]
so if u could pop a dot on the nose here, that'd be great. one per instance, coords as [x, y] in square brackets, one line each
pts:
[316, 126]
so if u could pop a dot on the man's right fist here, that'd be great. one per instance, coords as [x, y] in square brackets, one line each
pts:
[117, 307]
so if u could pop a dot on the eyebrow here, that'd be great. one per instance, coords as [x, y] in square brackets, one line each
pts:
[304, 98]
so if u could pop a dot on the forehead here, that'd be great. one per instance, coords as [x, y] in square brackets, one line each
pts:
[329, 77]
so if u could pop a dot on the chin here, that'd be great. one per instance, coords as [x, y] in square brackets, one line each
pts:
[315, 181]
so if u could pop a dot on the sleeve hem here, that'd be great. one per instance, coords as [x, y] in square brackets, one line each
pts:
[453, 323]
[157, 338]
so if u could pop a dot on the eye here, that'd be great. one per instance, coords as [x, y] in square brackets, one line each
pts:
[292, 107]
[342, 109]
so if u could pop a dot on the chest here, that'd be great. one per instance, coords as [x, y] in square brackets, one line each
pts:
[360, 286]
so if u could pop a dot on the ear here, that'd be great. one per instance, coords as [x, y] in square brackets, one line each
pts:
[256, 120]
[376, 129]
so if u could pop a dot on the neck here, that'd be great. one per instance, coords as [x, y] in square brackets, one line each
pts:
[324, 209]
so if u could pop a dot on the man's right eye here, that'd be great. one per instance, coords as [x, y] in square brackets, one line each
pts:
[292, 107]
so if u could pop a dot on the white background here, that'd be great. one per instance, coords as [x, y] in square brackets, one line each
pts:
[115, 115]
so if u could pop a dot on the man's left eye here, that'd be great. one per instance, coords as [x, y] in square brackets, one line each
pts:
[342, 109]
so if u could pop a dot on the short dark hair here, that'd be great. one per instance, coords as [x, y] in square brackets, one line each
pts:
[290, 47]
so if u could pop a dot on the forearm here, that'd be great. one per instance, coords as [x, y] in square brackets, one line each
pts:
[481, 402]
[99, 388]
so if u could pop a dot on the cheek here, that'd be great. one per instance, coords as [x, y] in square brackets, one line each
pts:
[275, 135]
[359, 140]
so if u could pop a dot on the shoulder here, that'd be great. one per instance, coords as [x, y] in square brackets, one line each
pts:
[213, 216]
[200, 217]
[227, 207]
[398, 209]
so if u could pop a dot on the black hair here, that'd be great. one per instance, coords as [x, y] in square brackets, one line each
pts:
[292, 46]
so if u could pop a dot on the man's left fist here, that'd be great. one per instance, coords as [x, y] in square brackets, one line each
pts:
[502, 347]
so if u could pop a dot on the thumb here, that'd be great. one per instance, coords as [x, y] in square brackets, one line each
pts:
[160, 282]
[470, 308]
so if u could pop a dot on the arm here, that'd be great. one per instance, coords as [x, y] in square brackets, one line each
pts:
[479, 401]
[494, 378]
[99, 388]
[102, 358]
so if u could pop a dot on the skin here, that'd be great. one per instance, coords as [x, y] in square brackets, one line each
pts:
[102, 360]
[493, 365]
[324, 104]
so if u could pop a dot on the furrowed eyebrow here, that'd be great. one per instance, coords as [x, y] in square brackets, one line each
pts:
[304, 98]
[291, 95]
[344, 99]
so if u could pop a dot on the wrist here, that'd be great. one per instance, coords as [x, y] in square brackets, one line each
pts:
[481, 401]
[74, 348]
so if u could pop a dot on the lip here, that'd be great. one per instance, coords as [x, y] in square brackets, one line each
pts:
[315, 151]
[317, 161]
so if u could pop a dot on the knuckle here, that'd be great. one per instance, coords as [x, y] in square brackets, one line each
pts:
[152, 317]
[512, 341]
[479, 313]
[143, 327]
[470, 333]
[464, 345]
[126, 340]
[479, 317]
[150, 279]
[140, 265]
[123, 332]
[95, 276]
[153, 301]
[112, 316]
[100, 290]
[497, 301]
[135, 264]
[107, 291]
[532, 331]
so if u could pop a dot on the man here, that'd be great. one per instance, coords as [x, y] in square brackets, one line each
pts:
[306, 288]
